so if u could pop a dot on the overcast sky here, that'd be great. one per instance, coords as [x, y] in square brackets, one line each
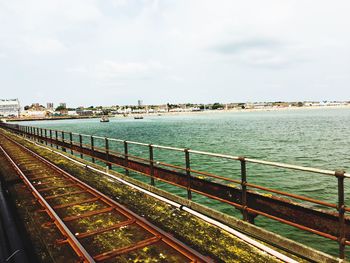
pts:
[108, 52]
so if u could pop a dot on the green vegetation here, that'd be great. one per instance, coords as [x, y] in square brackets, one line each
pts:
[60, 108]
[217, 106]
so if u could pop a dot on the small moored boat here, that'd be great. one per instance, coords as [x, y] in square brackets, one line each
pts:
[104, 119]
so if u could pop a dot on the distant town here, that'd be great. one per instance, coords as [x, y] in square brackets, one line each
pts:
[11, 109]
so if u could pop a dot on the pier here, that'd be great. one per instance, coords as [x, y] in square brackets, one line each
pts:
[331, 222]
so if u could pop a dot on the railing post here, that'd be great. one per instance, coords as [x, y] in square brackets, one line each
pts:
[46, 136]
[107, 153]
[71, 142]
[341, 212]
[50, 137]
[81, 146]
[151, 164]
[244, 189]
[126, 163]
[92, 149]
[188, 173]
[56, 135]
[63, 148]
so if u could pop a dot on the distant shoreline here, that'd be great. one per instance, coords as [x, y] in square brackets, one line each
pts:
[265, 109]
[261, 110]
[52, 118]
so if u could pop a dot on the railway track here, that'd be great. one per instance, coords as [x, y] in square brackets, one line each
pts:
[96, 227]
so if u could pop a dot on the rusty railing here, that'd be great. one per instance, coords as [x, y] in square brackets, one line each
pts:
[332, 225]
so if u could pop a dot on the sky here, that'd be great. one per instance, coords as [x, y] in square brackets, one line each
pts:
[115, 52]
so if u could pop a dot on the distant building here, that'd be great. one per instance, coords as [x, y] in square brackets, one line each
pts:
[37, 107]
[63, 104]
[10, 107]
[49, 106]
[34, 114]
[82, 112]
[140, 103]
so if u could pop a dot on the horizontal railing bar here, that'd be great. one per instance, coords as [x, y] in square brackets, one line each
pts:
[334, 238]
[116, 140]
[168, 148]
[299, 197]
[99, 137]
[85, 135]
[137, 143]
[291, 166]
[215, 154]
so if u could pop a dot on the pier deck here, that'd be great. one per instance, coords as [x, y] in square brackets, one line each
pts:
[219, 245]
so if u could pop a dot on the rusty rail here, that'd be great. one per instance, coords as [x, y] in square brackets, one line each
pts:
[332, 225]
[16, 153]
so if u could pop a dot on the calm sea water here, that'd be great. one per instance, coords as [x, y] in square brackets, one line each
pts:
[318, 138]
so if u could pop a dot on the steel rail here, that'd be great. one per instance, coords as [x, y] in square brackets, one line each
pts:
[165, 237]
[75, 244]
[187, 209]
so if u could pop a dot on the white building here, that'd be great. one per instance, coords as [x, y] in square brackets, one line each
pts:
[10, 107]
[34, 113]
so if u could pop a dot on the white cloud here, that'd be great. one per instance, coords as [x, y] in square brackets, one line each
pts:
[118, 3]
[111, 69]
[206, 46]
[79, 69]
[43, 45]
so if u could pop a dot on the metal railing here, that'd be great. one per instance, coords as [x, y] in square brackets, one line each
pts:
[337, 227]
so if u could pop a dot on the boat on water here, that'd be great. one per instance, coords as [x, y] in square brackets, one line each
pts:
[104, 119]
[138, 117]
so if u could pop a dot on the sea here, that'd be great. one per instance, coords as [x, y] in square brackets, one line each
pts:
[317, 138]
